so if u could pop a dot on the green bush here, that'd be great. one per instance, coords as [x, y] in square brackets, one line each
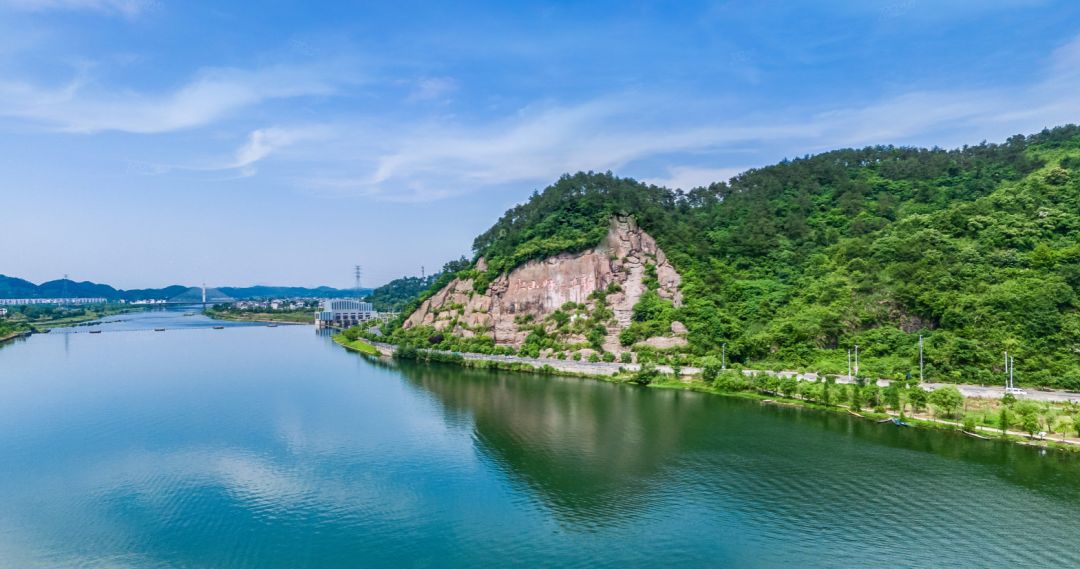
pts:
[646, 375]
[710, 369]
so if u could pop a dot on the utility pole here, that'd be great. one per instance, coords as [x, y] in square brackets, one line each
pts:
[1012, 369]
[1006, 369]
[856, 360]
[723, 355]
[849, 364]
[204, 295]
[64, 294]
[920, 359]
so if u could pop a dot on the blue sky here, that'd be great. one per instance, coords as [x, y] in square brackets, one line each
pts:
[150, 142]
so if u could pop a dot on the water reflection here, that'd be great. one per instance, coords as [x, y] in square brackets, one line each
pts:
[591, 451]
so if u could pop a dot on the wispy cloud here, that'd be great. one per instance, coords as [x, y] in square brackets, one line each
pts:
[433, 88]
[429, 160]
[82, 106]
[688, 177]
[127, 8]
[263, 142]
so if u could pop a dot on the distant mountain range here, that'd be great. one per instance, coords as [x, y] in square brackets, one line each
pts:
[12, 287]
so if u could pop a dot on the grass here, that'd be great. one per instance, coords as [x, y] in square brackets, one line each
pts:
[298, 316]
[356, 345]
[21, 324]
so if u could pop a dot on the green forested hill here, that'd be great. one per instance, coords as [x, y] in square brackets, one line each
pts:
[978, 249]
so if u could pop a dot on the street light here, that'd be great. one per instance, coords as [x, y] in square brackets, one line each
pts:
[856, 360]
[723, 355]
[920, 359]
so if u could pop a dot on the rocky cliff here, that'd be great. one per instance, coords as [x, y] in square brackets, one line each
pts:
[599, 286]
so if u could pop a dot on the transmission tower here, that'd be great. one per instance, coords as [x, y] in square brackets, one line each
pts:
[358, 272]
[64, 294]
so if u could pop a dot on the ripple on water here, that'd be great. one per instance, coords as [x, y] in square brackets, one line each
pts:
[257, 447]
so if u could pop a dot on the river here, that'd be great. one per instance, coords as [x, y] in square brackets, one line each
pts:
[263, 447]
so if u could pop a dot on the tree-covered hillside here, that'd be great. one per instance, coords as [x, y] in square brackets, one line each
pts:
[396, 294]
[790, 265]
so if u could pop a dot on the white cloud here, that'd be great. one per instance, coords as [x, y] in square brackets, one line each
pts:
[689, 177]
[433, 88]
[434, 160]
[262, 143]
[81, 106]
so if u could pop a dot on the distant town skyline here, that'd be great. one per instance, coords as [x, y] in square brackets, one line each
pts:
[149, 143]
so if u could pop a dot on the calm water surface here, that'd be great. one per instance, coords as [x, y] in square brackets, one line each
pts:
[271, 447]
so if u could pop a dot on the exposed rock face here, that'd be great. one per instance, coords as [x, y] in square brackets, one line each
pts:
[539, 288]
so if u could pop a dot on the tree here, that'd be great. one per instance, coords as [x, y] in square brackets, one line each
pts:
[710, 369]
[856, 398]
[826, 391]
[1030, 424]
[947, 398]
[917, 396]
[1004, 420]
[892, 396]
[789, 386]
[646, 374]
[1028, 411]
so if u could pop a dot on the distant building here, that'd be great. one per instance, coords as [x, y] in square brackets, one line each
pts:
[342, 313]
[21, 301]
[3, 312]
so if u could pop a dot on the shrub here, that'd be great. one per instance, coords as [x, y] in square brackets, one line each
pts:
[729, 381]
[594, 357]
[407, 352]
[626, 358]
[947, 398]
[710, 369]
[646, 375]
[609, 357]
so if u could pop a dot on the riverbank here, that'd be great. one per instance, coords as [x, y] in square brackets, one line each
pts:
[747, 385]
[304, 317]
[359, 345]
[24, 327]
[12, 335]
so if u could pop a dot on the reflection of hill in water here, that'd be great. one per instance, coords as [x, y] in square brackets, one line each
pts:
[591, 450]
[598, 454]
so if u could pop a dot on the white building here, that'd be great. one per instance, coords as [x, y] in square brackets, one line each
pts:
[21, 301]
[342, 313]
[3, 312]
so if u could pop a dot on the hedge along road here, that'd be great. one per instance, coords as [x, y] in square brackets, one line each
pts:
[612, 368]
